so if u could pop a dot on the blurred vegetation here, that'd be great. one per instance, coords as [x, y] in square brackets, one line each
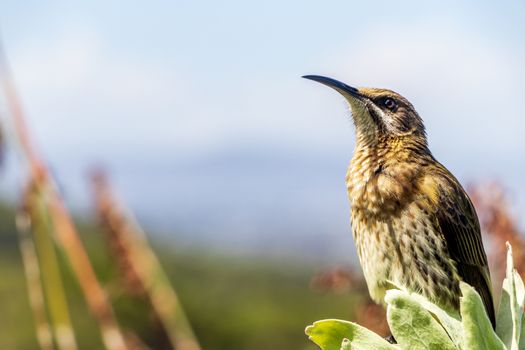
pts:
[232, 302]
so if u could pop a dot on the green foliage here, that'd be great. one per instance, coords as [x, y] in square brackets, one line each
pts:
[476, 324]
[413, 326]
[330, 334]
[416, 323]
[510, 317]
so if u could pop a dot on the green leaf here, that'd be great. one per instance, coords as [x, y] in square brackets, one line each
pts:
[449, 319]
[521, 345]
[329, 335]
[479, 334]
[412, 325]
[510, 314]
[451, 322]
[504, 318]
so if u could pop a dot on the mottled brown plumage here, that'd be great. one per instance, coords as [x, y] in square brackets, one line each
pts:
[412, 222]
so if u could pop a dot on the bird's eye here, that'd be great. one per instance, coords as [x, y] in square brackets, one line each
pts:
[390, 104]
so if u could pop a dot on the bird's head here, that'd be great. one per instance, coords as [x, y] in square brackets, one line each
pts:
[378, 113]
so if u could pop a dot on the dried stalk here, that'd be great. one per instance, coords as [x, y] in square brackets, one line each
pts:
[65, 230]
[140, 264]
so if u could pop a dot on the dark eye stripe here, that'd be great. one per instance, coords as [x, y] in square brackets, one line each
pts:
[376, 118]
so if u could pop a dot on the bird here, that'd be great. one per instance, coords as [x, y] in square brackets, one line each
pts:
[412, 222]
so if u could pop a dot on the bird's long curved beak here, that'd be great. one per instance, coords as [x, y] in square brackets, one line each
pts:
[342, 88]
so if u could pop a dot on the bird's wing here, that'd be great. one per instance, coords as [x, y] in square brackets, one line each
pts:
[459, 225]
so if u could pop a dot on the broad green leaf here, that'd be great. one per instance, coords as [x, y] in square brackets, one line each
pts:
[413, 326]
[449, 319]
[504, 318]
[329, 335]
[479, 334]
[511, 305]
[451, 322]
[510, 314]
[521, 345]
[519, 290]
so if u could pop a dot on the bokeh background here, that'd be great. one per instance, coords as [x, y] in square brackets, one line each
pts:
[232, 163]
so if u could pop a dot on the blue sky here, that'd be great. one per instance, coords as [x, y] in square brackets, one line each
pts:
[199, 110]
